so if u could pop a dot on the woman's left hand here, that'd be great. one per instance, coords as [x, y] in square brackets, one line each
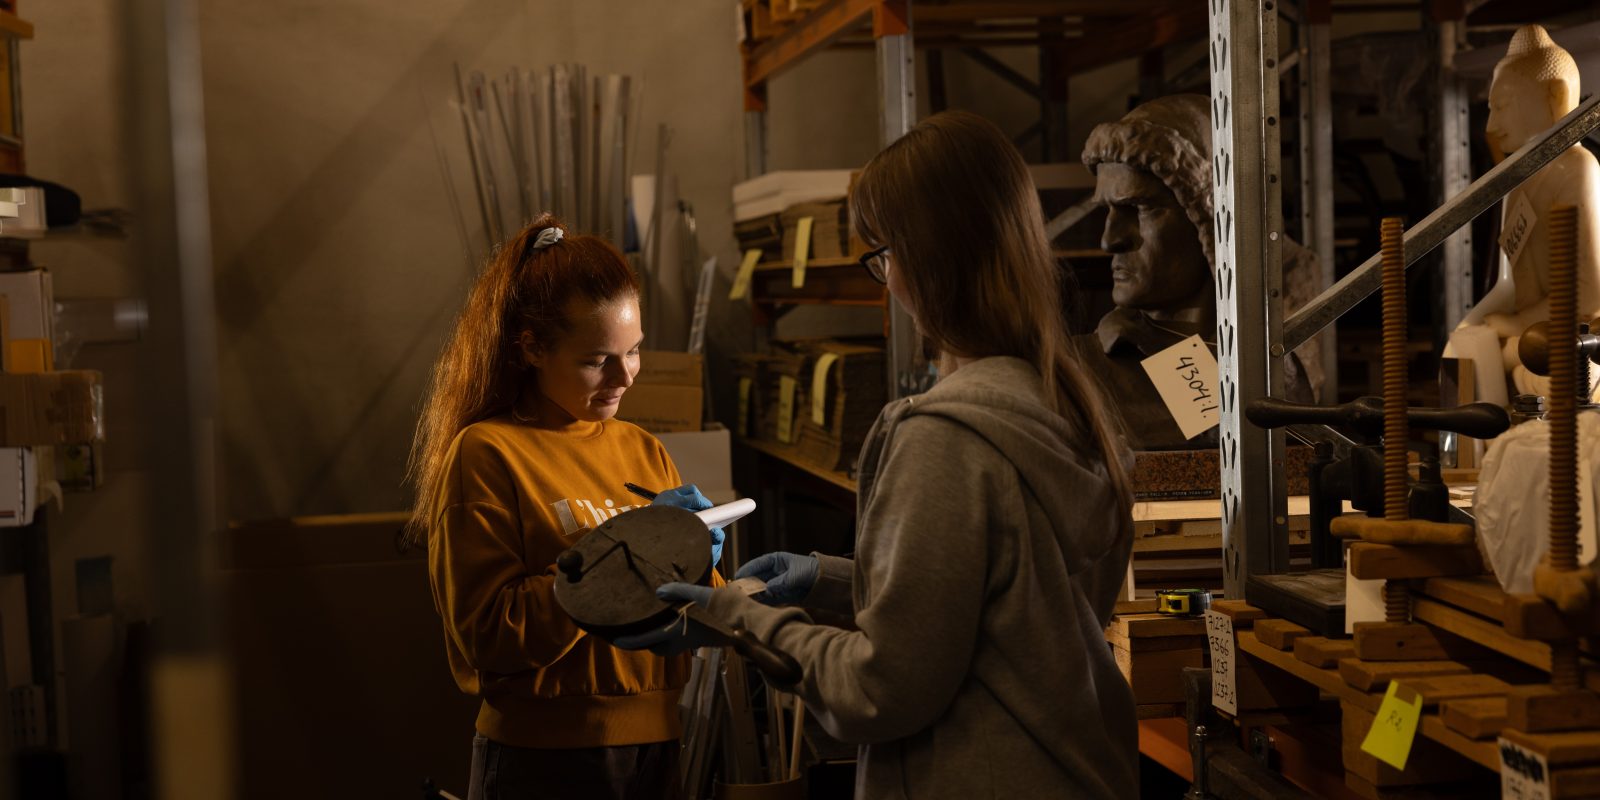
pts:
[689, 498]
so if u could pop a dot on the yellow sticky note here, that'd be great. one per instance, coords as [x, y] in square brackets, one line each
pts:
[1395, 727]
[744, 406]
[786, 390]
[747, 268]
[802, 251]
[819, 389]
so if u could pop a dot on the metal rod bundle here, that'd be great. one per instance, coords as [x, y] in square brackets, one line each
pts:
[554, 140]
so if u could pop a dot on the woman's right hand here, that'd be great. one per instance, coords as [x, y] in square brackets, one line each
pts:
[789, 577]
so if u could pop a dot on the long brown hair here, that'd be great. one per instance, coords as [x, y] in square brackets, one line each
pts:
[481, 370]
[955, 205]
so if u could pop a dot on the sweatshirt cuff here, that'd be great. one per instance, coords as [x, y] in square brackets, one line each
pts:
[833, 590]
[736, 608]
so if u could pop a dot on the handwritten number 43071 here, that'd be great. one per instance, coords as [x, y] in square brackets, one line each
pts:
[1191, 373]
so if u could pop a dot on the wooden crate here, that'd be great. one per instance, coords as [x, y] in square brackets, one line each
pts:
[1152, 651]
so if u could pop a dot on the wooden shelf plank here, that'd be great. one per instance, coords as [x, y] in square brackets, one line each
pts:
[810, 33]
[786, 454]
[1329, 681]
[815, 263]
[14, 26]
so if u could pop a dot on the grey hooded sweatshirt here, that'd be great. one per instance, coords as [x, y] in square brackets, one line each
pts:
[989, 554]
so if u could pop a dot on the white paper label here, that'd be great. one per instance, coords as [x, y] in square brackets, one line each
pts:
[802, 251]
[1518, 228]
[819, 389]
[1185, 375]
[1524, 774]
[786, 390]
[1224, 684]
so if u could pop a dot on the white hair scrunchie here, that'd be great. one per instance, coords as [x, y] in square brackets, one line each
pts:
[547, 237]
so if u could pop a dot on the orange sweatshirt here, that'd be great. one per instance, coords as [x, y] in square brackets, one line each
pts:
[514, 497]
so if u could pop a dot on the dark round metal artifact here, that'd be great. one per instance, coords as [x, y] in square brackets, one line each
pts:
[607, 581]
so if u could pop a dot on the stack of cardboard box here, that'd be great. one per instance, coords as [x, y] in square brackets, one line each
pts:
[668, 394]
[845, 392]
[41, 409]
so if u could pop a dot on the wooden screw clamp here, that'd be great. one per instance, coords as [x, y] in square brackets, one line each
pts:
[1397, 638]
[1563, 704]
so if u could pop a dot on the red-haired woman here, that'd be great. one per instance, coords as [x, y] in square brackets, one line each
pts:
[516, 453]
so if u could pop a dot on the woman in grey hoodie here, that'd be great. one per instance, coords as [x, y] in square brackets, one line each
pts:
[993, 511]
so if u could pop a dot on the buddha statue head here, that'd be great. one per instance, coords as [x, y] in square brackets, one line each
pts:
[1534, 85]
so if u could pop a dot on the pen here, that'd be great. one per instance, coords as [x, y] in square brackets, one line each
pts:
[639, 490]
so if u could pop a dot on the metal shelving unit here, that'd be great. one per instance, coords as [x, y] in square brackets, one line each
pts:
[1103, 33]
[1250, 305]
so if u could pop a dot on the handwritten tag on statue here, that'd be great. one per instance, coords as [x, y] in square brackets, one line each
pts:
[1185, 375]
[1395, 727]
[1224, 681]
[1524, 774]
[1518, 228]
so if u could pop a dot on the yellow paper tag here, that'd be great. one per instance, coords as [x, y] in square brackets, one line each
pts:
[802, 251]
[747, 268]
[1395, 727]
[786, 390]
[744, 406]
[819, 388]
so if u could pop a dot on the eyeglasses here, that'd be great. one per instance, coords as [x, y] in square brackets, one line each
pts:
[876, 263]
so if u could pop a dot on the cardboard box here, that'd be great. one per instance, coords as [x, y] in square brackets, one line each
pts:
[336, 588]
[19, 486]
[51, 408]
[31, 303]
[667, 396]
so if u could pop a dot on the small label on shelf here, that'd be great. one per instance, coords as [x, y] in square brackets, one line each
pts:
[744, 406]
[786, 392]
[802, 251]
[1524, 774]
[747, 268]
[1395, 726]
[1224, 683]
[819, 388]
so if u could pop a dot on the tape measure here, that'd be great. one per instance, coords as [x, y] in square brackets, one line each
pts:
[1182, 602]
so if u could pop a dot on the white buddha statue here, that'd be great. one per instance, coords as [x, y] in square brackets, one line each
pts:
[1535, 85]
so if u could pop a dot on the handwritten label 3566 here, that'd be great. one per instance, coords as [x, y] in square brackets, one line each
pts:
[1185, 375]
[1224, 681]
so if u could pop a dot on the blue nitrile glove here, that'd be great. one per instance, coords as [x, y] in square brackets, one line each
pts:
[679, 635]
[789, 577]
[689, 498]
